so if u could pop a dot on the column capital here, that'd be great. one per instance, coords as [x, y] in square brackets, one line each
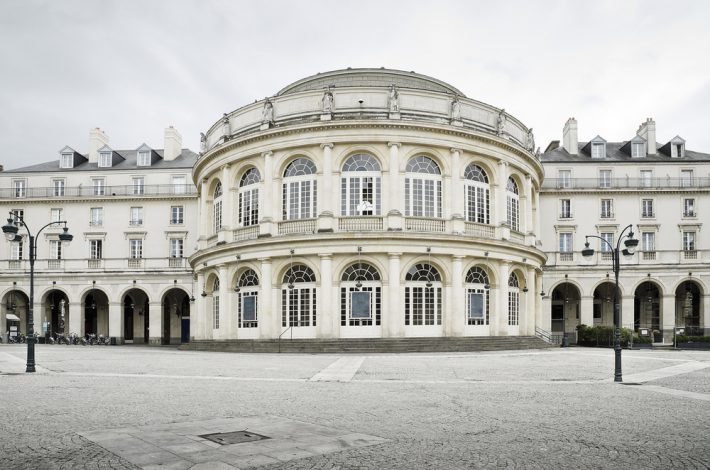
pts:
[394, 255]
[455, 150]
[268, 153]
[325, 145]
[325, 256]
[266, 260]
[394, 144]
[225, 167]
[458, 257]
[502, 163]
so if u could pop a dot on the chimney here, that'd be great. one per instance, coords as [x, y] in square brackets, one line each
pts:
[647, 130]
[97, 139]
[173, 144]
[569, 137]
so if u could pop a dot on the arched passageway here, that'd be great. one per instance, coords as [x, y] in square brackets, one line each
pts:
[565, 311]
[136, 314]
[689, 308]
[603, 304]
[176, 317]
[55, 318]
[14, 314]
[647, 309]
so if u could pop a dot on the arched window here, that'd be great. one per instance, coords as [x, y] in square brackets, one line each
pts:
[422, 188]
[360, 296]
[249, 198]
[360, 186]
[513, 206]
[217, 207]
[299, 190]
[247, 300]
[215, 304]
[477, 289]
[298, 297]
[477, 194]
[513, 299]
[422, 295]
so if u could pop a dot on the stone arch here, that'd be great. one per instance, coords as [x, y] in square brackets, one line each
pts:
[484, 163]
[175, 303]
[439, 264]
[659, 284]
[287, 158]
[238, 271]
[344, 263]
[284, 266]
[493, 275]
[699, 282]
[342, 155]
[604, 281]
[434, 154]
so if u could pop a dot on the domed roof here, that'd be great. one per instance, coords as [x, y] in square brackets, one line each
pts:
[369, 78]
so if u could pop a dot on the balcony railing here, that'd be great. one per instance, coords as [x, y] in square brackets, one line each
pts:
[479, 230]
[420, 224]
[135, 262]
[662, 257]
[175, 262]
[661, 182]
[360, 224]
[105, 191]
[246, 233]
[517, 237]
[287, 227]
[54, 264]
[109, 264]
[14, 264]
[690, 254]
[94, 263]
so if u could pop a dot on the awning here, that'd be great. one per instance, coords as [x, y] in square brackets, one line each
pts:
[12, 317]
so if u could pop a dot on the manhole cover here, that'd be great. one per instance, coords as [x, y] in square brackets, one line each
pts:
[234, 437]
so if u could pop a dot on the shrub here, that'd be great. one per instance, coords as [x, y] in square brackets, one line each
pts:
[603, 336]
[692, 339]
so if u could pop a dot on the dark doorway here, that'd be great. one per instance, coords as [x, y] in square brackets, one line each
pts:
[146, 322]
[128, 309]
[90, 310]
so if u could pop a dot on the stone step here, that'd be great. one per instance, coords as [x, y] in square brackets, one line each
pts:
[373, 345]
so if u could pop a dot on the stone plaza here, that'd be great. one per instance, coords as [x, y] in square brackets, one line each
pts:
[138, 407]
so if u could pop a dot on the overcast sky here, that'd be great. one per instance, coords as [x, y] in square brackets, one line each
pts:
[134, 67]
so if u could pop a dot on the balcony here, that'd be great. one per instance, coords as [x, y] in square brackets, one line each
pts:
[135, 222]
[108, 264]
[641, 258]
[288, 227]
[135, 262]
[96, 263]
[175, 262]
[104, 192]
[54, 264]
[361, 224]
[479, 230]
[246, 233]
[421, 224]
[625, 183]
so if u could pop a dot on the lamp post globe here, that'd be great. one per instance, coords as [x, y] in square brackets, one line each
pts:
[10, 230]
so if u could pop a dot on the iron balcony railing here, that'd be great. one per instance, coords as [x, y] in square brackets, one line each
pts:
[104, 191]
[109, 264]
[658, 182]
[604, 259]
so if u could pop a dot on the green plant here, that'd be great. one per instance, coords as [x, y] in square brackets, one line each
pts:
[692, 339]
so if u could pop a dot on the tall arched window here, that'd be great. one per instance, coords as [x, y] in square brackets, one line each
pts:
[513, 299]
[477, 289]
[422, 188]
[215, 304]
[360, 296]
[513, 205]
[360, 186]
[422, 295]
[477, 194]
[249, 197]
[299, 190]
[217, 207]
[248, 300]
[298, 297]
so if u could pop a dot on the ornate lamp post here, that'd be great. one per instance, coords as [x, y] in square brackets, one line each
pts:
[630, 243]
[10, 230]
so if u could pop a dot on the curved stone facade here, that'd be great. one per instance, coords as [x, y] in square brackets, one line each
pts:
[367, 203]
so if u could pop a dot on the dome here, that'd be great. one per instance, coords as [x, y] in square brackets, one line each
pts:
[366, 77]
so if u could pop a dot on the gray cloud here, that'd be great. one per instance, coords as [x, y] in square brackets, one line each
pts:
[134, 67]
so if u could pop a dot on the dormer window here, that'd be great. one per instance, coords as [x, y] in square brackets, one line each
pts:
[66, 160]
[637, 150]
[678, 150]
[144, 158]
[598, 150]
[104, 159]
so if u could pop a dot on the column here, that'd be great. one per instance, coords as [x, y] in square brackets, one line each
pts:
[499, 206]
[394, 315]
[456, 193]
[668, 317]
[536, 215]
[76, 319]
[197, 320]
[527, 318]
[627, 311]
[227, 200]
[325, 202]
[326, 312]
[394, 191]
[225, 310]
[545, 312]
[268, 319]
[586, 314]
[705, 315]
[115, 321]
[526, 218]
[538, 301]
[501, 323]
[155, 324]
[203, 214]
[455, 320]
[267, 196]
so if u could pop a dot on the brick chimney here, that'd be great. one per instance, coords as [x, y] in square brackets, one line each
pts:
[569, 137]
[647, 130]
[173, 144]
[97, 139]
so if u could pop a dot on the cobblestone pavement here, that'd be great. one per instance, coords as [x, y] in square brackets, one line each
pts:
[534, 409]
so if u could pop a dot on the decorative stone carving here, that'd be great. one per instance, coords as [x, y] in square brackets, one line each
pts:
[327, 100]
[267, 114]
[500, 122]
[530, 140]
[456, 109]
[226, 130]
[203, 142]
[393, 101]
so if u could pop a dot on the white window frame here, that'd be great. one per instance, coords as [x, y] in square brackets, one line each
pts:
[648, 241]
[565, 208]
[598, 150]
[637, 150]
[66, 160]
[96, 250]
[99, 186]
[138, 185]
[179, 183]
[248, 202]
[58, 186]
[177, 215]
[689, 208]
[136, 216]
[686, 178]
[96, 216]
[104, 160]
[609, 237]
[648, 203]
[299, 197]
[646, 178]
[607, 208]
[143, 158]
[135, 248]
[176, 248]
[16, 249]
[19, 188]
[55, 214]
[55, 249]
[564, 178]
[605, 176]
[566, 242]
[689, 240]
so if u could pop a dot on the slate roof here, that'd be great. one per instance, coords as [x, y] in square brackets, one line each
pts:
[614, 153]
[186, 159]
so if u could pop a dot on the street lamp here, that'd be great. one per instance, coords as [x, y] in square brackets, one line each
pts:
[630, 243]
[10, 230]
